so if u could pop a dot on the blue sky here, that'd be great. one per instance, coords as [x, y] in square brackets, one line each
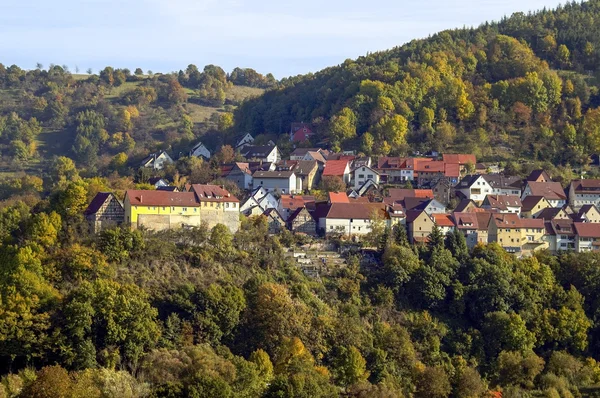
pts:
[282, 37]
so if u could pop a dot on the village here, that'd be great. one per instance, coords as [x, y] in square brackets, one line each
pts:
[446, 191]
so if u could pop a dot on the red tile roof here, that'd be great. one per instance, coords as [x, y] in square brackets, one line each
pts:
[338, 197]
[452, 170]
[465, 220]
[302, 134]
[335, 168]
[429, 166]
[161, 198]
[212, 193]
[587, 230]
[293, 202]
[509, 220]
[401, 193]
[443, 220]
[459, 158]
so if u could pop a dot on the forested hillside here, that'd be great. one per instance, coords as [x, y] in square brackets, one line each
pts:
[524, 87]
[110, 121]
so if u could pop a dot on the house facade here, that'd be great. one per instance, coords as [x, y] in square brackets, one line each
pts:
[200, 150]
[104, 211]
[584, 192]
[284, 182]
[363, 174]
[264, 153]
[161, 210]
[301, 221]
[157, 161]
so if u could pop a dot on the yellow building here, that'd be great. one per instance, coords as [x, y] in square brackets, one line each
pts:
[160, 210]
[517, 235]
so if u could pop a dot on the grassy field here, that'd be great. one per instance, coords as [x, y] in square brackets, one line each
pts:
[201, 113]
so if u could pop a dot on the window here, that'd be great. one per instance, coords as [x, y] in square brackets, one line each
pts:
[185, 209]
[164, 208]
[154, 208]
[361, 176]
[212, 204]
[369, 175]
[173, 208]
[195, 210]
[148, 207]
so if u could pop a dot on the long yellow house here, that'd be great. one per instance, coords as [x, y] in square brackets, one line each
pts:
[202, 204]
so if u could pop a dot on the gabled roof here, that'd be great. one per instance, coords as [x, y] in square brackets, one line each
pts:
[338, 197]
[532, 223]
[483, 220]
[335, 168]
[502, 202]
[302, 134]
[443, 220]
[386, 162]
[272, 212]
[318, 156]
[583, 211]
[305, 167]
[563, 227]
[465, 220]
[468, 181]
[530, 202]
[359, 211]
[538, 176]
[507, 220]
[212, 193]
[587, 230]
[459, 158]
[292, 202]
[297, 212]
[168, 188]
[98, 201]
[549, 213]
[452, 170]
[412, 215]
[549, 190]
[429, 166]
[464, 205]
[303, 151]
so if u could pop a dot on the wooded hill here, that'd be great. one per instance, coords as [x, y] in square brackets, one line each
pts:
[526, 87]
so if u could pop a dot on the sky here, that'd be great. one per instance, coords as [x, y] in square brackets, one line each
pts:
[279, 36]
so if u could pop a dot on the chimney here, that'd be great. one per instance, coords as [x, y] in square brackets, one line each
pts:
[141, 199]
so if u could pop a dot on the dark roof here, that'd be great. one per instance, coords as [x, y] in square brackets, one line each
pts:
[501, 181]
[467, 181]
[297, 212]
[167, 188]
[502, 202]
[304, 167]
[530, 202]
[549, 190]
[415, 203]
[537, 175]
[154, 180]
[582, 186]
[271, 212]
[258, 151]
[465, 220]
[412, 215]
[563, 227]
[464, 204]
[213, 193]
[583, 210]
[303, 151]
[549, 213]
[97, 202]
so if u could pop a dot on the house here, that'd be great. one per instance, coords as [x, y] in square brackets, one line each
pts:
[420, 225]
[587, 237]
[477, 187]
[320, 156]
[288, 204]
[260, 199]
[274, 220]
[466, 206]
[444, 222]
[104, 211]
[200, 150]
[391, 171]
[369, 188]
[428, 171]
[430, 206]
[307, 173]
[302, 222]
[561, 235]
[168, 188]
[516, 235]
[158, 182]
[553, 213]
[587, 214]
[533, 236]
[461, 159]
[552, 191]
[533, 205]
[502, 203]
[538, 176]
[157, 160]
[352, 218]
[397, 214]
[338, 168]
[468, 224]
[362, 174]
[240, 174]
[443, 191]
[338, 197]
[474, 187]
[276, 181]
[300, 132]
[160, 210]
[584, 192]
[243, 141]
[265, 153]
[300, 153]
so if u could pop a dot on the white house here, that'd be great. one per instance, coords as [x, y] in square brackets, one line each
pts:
[553, 192]
[362, 174]
[503, 203]
[265, 153]
[243, 141]
[352, 218]
[474, 187]
[260, 199]
[157, 160]
[200, 150]
[584, 192]
[284, 182]
[587, 237]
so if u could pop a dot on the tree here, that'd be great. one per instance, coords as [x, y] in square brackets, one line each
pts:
[433, 383]
[506, 332]
[51, 382]
[138, 72]
[591, 128]
[332, 184]
[351, 367]
[520, 369]
[342, 126]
